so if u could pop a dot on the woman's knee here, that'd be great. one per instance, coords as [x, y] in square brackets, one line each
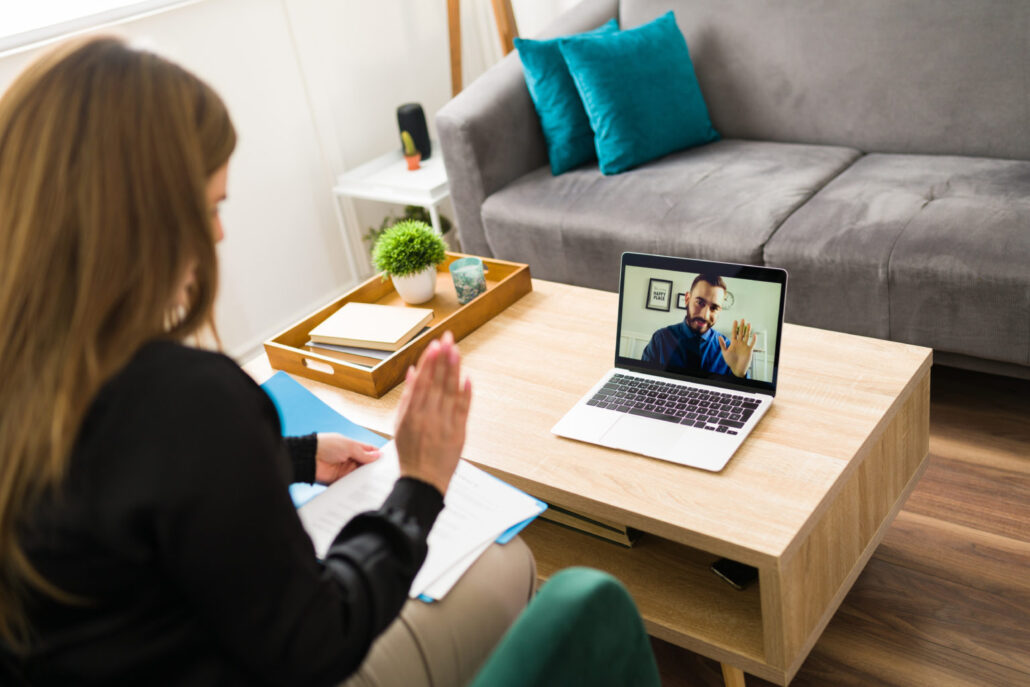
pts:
[455, 635]
[514, 570]
[493, 592]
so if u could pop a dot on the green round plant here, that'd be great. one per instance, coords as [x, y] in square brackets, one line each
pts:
[408, 247]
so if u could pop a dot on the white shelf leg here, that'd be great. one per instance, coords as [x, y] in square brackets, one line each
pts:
[357, 273]
[434, 219]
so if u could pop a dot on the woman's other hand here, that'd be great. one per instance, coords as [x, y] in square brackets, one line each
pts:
[337, 456]
[431, 418]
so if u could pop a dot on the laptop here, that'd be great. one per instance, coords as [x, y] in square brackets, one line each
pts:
[697, 353]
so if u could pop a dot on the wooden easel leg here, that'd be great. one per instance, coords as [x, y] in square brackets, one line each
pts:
[733, 677]
[454, 28]
[506, 28]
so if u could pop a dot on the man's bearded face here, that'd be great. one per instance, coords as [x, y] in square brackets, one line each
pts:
[704, 303]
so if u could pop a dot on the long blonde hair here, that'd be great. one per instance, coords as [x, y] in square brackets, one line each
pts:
[105, 153]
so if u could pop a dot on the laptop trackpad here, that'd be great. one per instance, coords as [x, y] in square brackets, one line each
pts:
[641, 434]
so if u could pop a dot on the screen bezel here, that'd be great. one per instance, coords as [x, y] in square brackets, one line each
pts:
[772, 275]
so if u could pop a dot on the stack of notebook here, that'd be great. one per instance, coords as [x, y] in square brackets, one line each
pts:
[365, 334]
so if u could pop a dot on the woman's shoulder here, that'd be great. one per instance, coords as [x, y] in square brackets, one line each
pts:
[176, 364]
[166, 354]
[178, 402]
[180, 382]
[176, 426]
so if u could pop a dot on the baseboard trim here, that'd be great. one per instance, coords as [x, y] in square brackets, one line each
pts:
[993, 367]
[244, 352]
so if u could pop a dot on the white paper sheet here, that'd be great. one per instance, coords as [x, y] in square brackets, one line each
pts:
[478, 508]
[439, 587]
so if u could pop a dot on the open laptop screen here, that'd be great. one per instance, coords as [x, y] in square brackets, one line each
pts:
[701, 320]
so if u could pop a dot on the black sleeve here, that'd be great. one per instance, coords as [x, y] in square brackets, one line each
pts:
[230, 540]
[410, 512]
[302, 452]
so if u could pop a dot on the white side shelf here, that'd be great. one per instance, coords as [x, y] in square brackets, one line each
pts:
[387, 179]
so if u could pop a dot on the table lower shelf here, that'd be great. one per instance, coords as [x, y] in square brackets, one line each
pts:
[686, 604]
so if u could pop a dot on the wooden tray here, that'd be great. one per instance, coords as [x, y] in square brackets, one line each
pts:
[506, 282]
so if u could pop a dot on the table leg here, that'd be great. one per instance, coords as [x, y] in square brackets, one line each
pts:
[732, 676]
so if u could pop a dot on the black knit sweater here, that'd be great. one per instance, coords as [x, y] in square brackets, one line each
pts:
[175, 530]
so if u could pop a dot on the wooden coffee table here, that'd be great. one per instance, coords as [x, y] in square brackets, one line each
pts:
[806, 499]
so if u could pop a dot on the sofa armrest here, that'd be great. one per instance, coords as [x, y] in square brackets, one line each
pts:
[490, 134]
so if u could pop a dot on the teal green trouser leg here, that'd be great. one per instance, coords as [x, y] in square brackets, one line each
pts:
[582, 628]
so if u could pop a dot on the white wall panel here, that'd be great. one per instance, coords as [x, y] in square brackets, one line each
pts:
[282, 252]
[313, 87]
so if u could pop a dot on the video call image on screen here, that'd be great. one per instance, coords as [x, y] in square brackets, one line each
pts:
[684, 322]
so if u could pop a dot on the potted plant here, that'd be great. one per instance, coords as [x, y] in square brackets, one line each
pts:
[409, 252]
[410, 212]
[411, 153]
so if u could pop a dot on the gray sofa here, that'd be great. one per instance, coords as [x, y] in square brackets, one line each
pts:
[878, 150]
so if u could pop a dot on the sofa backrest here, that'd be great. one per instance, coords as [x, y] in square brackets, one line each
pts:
[903, 76]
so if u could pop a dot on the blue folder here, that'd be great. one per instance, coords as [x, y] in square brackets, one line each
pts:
[301, 412]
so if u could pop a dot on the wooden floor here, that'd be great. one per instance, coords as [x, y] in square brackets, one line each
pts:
[945, 599]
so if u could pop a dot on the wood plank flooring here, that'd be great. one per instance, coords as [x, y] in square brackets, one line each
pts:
[945, 599]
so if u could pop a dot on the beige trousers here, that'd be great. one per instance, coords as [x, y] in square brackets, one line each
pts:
[443, 644]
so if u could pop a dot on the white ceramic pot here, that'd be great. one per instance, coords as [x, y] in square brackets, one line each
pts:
[416, 288]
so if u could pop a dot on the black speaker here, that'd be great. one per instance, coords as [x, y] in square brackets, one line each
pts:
[412, 119]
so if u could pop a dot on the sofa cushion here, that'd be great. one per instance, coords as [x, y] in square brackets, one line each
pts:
[640, 93]
[917, 77]
[721, 201]
[570, 140]
[923, 249]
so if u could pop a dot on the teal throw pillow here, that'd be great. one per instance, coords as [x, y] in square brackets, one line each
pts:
[640, 93]
[570, 140]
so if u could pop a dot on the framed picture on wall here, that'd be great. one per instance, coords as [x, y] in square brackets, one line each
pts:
[659, 295]
[681, 301]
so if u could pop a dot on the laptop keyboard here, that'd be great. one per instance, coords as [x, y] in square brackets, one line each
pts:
[713, 410]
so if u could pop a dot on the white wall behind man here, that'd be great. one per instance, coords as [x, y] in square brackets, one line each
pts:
[313, 87]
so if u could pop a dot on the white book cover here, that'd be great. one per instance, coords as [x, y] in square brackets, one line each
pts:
[385, 327]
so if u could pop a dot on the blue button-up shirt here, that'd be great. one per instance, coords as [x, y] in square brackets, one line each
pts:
[678, 348]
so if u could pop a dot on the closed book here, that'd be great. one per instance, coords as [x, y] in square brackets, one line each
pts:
[382, 327]
[605, 529]
[362, 360]
[369, 357]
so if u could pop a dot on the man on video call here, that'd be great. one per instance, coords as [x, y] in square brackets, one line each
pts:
[693, 345]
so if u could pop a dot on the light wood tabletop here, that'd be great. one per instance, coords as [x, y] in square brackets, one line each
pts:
[805, 499]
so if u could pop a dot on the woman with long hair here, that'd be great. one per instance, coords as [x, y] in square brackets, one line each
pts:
[146, 532]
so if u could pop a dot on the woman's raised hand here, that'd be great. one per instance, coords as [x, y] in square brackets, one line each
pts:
[430, 429]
